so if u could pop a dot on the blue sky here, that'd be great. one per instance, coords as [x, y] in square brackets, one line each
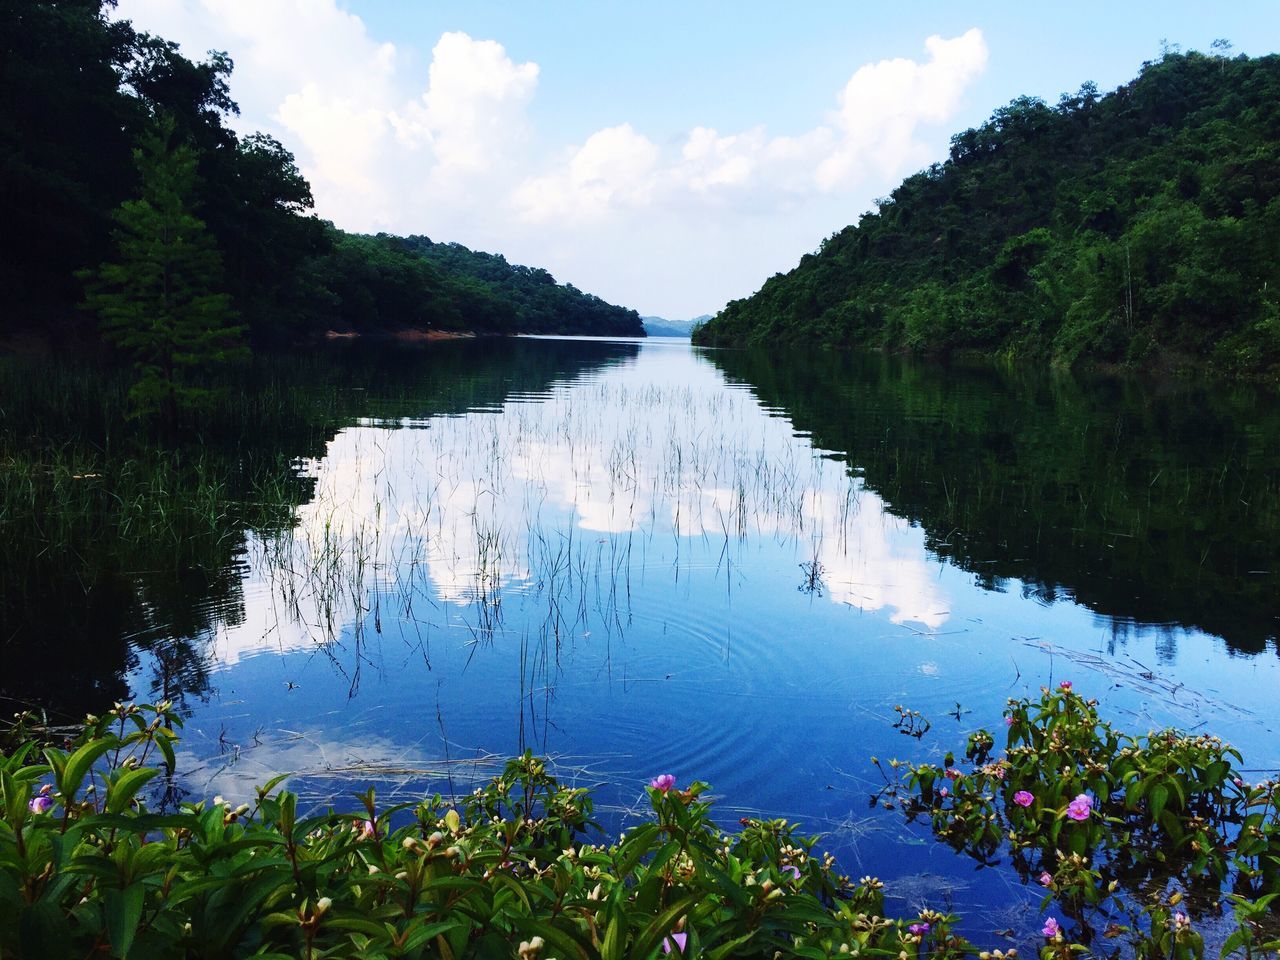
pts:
[666, 156]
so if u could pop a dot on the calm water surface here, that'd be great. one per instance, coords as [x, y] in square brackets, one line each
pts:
[731, 567]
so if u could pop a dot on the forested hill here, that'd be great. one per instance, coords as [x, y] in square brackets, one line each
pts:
[1121, 228]
[540, 305]
[80, 93]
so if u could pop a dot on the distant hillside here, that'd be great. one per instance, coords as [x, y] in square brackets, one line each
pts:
[81, 91]
[661, 327]
[539, 304]
[1121, 228]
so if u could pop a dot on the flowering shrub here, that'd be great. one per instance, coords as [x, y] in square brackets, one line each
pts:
[1121, 831]
[516, 868]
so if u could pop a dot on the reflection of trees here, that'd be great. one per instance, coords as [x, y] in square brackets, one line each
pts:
[80, 610]
[1154, 504]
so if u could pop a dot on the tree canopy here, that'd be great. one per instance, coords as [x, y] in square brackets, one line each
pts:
[158, 296]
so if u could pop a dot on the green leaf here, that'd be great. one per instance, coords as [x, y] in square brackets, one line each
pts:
[1232, 943]
[428, 932]
[121, 793]
[726, 885]
[661, 926]
[615, 933]
[43, 931]
[166, 748]
[726, 949]
[662, 857]
[635, 847]
[79, 764]
[1159, 796]
[124, 910]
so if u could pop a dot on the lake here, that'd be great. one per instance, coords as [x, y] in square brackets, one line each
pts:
[638, 557]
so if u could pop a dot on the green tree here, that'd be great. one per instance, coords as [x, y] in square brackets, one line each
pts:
[158, 299]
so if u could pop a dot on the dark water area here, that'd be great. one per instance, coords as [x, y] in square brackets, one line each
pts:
[642, 558]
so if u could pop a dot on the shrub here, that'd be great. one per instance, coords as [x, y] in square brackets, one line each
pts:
[87, 867]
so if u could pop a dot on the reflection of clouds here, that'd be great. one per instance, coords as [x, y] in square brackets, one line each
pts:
[267, 626]
[877, 561]
[463, 506]
[311, 758]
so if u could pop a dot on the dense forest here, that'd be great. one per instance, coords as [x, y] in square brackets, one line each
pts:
[82, 95]
[1135, 227]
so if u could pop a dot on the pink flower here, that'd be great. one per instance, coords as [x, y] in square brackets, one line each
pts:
[793, 870]
[1024, 798]
[1080, 807]
[40, 804]
[1045, 879]
[944, 792]
[919, 929]
[1008, 721]
[663, 782]
[952, 773]
[678, 939]
[367, 829]
[1051, 928]
[1065, 685]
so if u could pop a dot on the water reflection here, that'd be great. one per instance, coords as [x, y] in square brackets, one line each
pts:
[80, 618]
[564, 502]
[1151, 504]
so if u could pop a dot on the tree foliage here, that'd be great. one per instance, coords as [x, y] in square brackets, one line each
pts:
[1117, 228]
[158, 299]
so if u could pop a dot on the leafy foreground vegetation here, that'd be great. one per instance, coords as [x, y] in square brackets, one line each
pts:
[1123, 228]
[518, 867]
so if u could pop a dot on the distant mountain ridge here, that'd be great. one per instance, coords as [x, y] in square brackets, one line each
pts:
[1130, 228]
[662, 327]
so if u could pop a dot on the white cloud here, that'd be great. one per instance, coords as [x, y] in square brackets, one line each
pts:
[873, 132]
[381, 140]
[473, 104]
[883, 104]
[613, 169]
[343, 140]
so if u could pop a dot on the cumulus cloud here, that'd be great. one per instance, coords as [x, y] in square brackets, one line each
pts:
[615, 168]
[873, 132]
[473, 103]
[884, 103]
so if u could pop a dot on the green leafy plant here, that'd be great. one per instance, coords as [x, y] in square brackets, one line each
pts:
[87, 868]
[1106, 822]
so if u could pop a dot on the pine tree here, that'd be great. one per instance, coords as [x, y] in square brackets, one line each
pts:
[158, 299]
